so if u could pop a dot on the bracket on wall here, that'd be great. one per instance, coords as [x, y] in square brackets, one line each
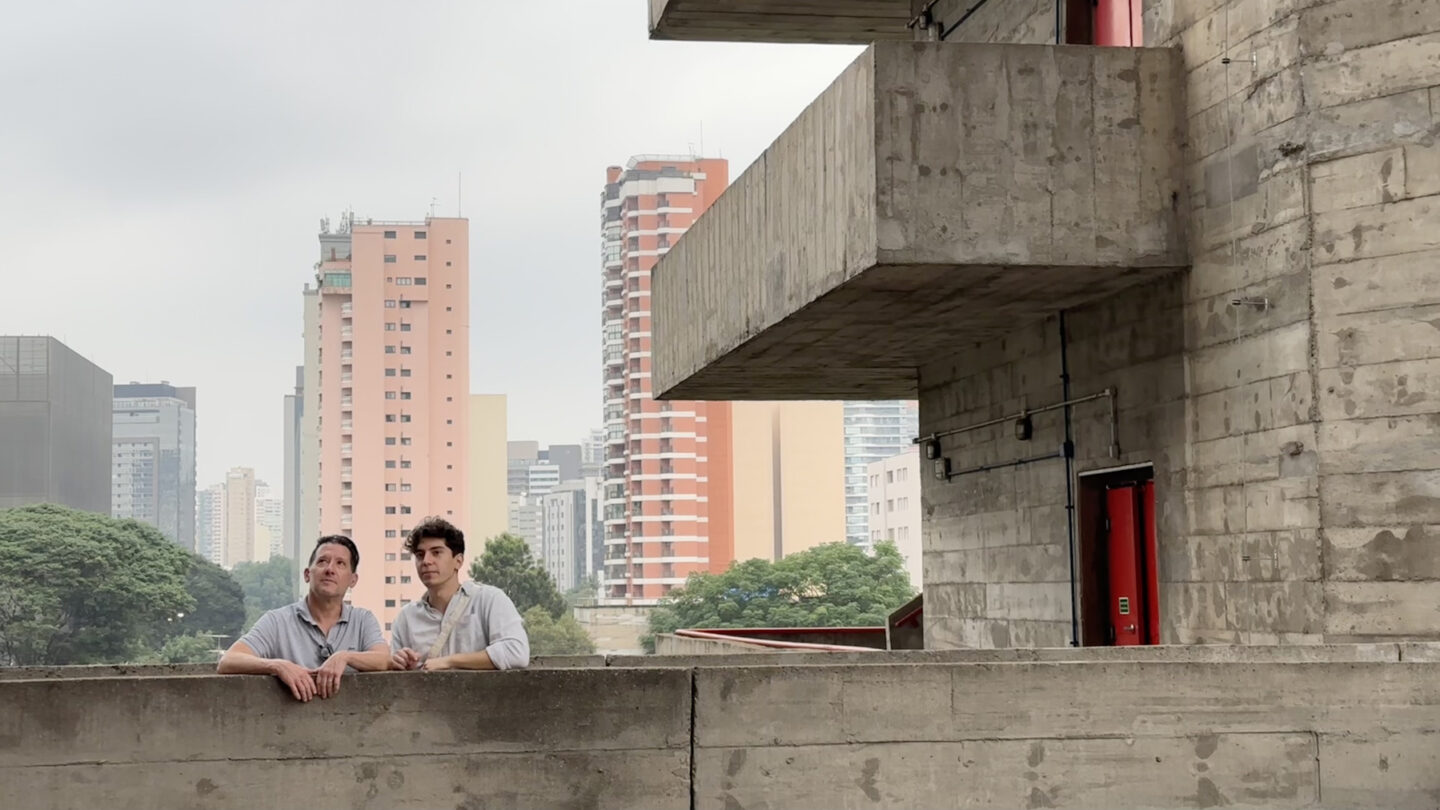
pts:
[1262, 304]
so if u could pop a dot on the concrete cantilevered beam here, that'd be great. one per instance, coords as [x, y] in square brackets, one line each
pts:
[935, 195]
[857, 22]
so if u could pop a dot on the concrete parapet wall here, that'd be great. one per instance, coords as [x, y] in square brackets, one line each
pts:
[1322, 726]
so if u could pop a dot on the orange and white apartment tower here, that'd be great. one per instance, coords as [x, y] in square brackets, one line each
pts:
[658, 496]
[389, 351]
[694, 486]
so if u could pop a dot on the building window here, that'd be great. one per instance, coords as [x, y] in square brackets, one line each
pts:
[404, 394]
[404, 464]
[449, 466]
[404, 510]
[404, 555]
[390, 557]
[404, 487]
[449, 489]
[389, 510]
[420, 280]
[389, 234]
[389, 580]
[387, 625]
[889, 476]
[447, 309]
[404, 417]
[419, 257]
[389, 394]
[404, 372]
[890, 505]
[389, 327]
[402, 282]
[389, 417]
[389, 349]
[389, 603]
[389, 487]
[404, 349]
[448, 353]
[449, 421]
[390, 440]
[449, 444]
[405, 440]
[389, 258]
[449, 331]
[404, 327]
[448, 286]
[390, 464]
[447, 264]
[449, 399]
[389, 303]
[448, 376]
[405, 304]
[389, 372]
[404, 579]
[421, 235]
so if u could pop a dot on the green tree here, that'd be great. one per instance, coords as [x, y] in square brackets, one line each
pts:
[549, 636]
[219, 601]
[191, 648]
[267, 585]
[508, 565]
[82, 588]
[831, 585]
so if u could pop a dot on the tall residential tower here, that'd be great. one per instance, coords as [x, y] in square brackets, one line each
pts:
[390, 342]
[657, 495]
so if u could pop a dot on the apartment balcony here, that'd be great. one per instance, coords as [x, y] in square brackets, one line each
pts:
[857, 22]
[936, 194]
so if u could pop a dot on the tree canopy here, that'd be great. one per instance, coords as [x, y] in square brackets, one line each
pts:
[508, 565]
[267, 585]
[219, 601]
[549, 636]
[831, 585]
[83, 588]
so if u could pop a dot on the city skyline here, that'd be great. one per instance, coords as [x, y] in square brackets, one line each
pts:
[257, 152]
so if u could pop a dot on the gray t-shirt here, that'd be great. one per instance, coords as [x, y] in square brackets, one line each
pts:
[289, 633]
[490, 623]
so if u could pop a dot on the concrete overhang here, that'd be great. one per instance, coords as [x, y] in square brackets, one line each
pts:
[856, 22]
[935, 195]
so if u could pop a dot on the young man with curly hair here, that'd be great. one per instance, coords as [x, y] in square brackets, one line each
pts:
[455, 625]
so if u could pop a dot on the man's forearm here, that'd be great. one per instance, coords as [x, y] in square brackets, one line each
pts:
[369, 661]
[470, 660]
[239, 663]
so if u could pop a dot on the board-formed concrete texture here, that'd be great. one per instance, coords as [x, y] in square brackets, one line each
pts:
[824, 21]
[1288, 727]
[935, 194]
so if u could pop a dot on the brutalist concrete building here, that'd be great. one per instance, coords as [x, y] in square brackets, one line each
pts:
[1172, 312]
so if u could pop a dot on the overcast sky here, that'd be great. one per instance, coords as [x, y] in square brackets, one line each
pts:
[164, 167]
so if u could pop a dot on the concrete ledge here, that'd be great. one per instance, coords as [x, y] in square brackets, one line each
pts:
[857, 22]
[936, 194]
[1165, 732]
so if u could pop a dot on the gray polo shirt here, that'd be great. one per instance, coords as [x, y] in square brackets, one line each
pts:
[490, 623]
[291, 634]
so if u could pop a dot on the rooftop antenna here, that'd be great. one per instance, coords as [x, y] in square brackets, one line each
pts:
[433, 201]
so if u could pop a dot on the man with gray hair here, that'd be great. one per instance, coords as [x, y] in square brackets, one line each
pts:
[308, 645]
[455, 625]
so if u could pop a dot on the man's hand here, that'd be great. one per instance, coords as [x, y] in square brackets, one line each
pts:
[436, 664]
[299, 679]
[405, 659]
[327, 677]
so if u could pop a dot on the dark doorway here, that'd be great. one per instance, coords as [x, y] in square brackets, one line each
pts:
[1119, 580]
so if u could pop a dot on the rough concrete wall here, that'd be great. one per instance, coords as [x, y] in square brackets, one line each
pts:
[1055, 735]
[1314, 418]
[1374, 194]
[1028, 21]
[996, 547]
[1268, 727]
[1301, 491]
[579, 738]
